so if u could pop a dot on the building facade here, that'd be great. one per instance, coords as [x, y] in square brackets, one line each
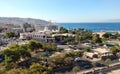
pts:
[50, 27]
[40, 36]
[41, 33]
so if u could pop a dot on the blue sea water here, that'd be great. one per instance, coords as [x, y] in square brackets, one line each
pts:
[95, 27]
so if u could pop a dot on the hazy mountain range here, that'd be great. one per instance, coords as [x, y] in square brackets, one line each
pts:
[114, 20]
[16, 20]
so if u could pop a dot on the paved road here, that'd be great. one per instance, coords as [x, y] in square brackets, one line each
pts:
[113, 66]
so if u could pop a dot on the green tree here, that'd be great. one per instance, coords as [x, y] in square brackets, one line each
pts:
[79, 30]
[24, 46]
[96, 39]
[24, 54]
[13, 47]
[108, 61]
[59, 49]
[76, 69]
[24, 71]
[36, 68]
[15, 53]
[68, 60]
[87, 49]
[10, 34]
[13, 71]
[87, 34]
[34, 45]
[63, 30]
[114, 50]
[49, 47]
[104, 40]
[117, 35]
[57, 60]
[11, 57]
[107, 35]
[94, 65]
[74, 54]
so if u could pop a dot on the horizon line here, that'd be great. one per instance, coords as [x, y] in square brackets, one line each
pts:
[93, 21]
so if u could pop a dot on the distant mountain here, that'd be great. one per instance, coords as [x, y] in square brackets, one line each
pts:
[114, 20]
[17, 20]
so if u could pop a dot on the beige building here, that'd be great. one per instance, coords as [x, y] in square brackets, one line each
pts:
[102, 51]
[44, 37]
[100, 33]
[97, 53]
[91, 55]
[64, 34]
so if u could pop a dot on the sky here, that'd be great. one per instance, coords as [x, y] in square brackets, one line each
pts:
[62, 10]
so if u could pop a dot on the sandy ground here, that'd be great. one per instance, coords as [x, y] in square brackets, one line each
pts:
[115, 72]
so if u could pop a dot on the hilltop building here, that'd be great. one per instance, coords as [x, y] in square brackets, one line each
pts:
[42, 33]
[50, 27]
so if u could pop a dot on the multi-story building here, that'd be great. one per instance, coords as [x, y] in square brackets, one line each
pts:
[12, 27]
[50, 27]
[26, 27]
[42, 32]
[40, 36]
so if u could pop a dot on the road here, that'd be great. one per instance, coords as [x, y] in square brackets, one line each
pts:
[112, 67]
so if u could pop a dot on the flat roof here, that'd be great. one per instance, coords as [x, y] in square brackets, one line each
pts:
[90, 54]
[101, 50]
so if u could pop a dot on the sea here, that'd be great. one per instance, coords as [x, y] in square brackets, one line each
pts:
[95, 27]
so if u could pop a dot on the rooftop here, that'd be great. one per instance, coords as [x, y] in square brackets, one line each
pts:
[101, 50]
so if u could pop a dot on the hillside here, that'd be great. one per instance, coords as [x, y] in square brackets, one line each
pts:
[16, 20]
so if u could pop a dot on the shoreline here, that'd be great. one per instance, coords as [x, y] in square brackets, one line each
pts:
[95, 27]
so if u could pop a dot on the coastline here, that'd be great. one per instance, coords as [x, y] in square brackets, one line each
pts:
[95, 27]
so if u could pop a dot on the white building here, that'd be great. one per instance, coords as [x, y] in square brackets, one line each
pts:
[42, 32]
[44, 37]
[50, 27]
